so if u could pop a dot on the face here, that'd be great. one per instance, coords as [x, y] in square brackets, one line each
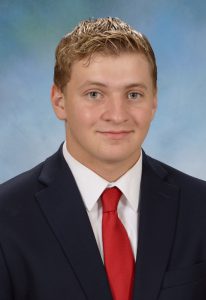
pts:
[107, 106]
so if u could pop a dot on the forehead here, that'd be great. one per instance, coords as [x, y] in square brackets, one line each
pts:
[113, 69]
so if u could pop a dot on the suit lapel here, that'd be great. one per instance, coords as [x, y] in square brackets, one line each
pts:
[63, 208]
[158, 215]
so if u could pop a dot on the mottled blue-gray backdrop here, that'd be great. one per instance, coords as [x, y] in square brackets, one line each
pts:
[29, 32]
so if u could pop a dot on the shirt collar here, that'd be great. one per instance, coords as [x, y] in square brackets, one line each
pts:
[91, 185]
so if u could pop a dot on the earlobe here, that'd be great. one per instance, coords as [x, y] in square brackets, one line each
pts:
[58, 102]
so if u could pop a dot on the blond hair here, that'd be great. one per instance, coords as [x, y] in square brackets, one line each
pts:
[108, 36]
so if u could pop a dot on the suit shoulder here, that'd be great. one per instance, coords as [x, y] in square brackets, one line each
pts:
[24, 186]
[176, 176]
[20, 185]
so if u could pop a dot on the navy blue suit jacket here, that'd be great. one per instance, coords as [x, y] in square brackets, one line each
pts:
[48, 250]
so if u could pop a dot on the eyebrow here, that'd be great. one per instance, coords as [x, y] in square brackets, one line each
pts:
[88, 82]
[97, 83]
[138, 84]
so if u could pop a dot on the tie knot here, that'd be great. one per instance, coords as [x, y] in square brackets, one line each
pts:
[110, 198]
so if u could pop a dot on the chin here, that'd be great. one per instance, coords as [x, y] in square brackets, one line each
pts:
[114, 158]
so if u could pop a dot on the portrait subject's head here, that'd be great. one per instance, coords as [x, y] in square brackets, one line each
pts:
[105, 89]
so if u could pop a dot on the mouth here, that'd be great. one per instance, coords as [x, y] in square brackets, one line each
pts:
[116, 135]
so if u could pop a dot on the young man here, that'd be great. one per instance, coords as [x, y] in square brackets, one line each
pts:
[100, 219]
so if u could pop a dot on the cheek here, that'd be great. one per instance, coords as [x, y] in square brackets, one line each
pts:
[82, 117]
[89, 114]
[143, 117]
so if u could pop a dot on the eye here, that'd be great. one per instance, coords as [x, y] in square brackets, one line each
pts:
[134, 95]
[94, 95]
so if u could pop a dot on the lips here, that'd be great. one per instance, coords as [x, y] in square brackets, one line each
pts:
[116, 135]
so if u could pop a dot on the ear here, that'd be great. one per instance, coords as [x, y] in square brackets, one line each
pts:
[58, 102]
[154, 104]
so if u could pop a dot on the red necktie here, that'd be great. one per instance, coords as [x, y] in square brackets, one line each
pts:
[118, 255]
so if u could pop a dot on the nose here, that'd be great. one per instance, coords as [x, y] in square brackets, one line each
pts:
[115, 111]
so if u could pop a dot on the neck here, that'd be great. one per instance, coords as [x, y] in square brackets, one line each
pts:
[109, 170]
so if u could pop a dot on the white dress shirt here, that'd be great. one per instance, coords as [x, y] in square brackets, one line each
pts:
[91, 187]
